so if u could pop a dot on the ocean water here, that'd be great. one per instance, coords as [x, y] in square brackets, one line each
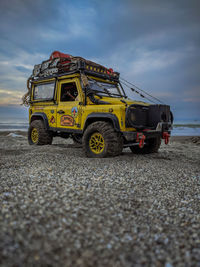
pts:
[13, 118]
[14, 124]
[13, 127]
[185, 130]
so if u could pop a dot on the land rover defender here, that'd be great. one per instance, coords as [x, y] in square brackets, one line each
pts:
[73, 97]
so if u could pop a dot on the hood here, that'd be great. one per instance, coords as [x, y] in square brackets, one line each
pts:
[123, 101]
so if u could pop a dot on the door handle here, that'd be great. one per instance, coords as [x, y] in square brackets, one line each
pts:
[60, 111]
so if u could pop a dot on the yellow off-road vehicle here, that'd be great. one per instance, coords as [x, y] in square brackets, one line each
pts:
[73, 97]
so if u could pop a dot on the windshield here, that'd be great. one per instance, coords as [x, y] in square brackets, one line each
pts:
[103, 89]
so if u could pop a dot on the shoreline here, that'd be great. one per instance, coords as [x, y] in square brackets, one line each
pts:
[6, 132]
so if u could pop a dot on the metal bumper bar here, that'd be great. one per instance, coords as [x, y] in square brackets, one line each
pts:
[162, 130]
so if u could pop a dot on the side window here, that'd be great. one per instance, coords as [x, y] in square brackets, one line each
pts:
[69, 92]
[44, 91]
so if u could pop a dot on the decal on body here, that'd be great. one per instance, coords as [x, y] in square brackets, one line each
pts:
[52, 120]
[66, 120]
[74, 112]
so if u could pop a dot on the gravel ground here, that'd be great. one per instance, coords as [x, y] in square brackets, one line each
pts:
[59, 208]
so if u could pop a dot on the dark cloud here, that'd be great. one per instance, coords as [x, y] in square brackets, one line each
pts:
[22, 69]
[133, 20]
[22, 21]
[25, 22]
[151, 42]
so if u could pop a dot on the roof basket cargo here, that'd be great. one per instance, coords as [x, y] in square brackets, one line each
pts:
[60, 63]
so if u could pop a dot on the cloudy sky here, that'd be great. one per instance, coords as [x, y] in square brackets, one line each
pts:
[153, 43]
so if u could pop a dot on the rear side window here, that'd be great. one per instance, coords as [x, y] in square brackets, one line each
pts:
[44, 91]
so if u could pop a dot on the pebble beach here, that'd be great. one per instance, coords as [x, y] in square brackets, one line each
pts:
[59, 208]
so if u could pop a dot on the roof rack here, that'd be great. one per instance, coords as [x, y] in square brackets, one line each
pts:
[60, 64]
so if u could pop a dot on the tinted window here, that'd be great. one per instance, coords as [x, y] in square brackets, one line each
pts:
[44, 91]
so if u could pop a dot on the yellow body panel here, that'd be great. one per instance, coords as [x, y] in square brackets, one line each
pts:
[73, 114]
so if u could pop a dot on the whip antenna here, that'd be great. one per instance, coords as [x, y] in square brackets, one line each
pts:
[141, 90]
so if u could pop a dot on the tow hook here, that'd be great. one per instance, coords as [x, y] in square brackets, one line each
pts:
[140, 139]
[166, 136]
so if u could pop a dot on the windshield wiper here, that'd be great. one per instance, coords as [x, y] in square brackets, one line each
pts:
[105, 92]
[91, 93]
[105, 89]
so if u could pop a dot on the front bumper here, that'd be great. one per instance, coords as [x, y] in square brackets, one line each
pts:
[161, 128]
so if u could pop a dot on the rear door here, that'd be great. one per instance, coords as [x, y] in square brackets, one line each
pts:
[68, 109]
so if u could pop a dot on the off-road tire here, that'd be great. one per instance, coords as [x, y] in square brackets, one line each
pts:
[113, 140]
[152, 146]
[77, 138]
[44, 137]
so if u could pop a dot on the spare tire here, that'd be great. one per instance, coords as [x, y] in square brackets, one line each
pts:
[136, 116]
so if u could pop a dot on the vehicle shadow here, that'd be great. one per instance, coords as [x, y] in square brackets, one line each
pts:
[67, 145]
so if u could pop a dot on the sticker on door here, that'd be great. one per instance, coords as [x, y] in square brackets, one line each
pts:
[74, 112]
[66, 120]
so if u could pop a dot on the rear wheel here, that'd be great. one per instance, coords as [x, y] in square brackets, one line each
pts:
[100, 140]
[38, 135]
[152, 146]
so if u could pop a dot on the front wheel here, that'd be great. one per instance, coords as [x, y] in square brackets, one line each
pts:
[152, 146]
[101, 140]
[38, 135]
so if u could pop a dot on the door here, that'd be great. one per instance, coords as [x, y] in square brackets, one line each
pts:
[68, 109]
